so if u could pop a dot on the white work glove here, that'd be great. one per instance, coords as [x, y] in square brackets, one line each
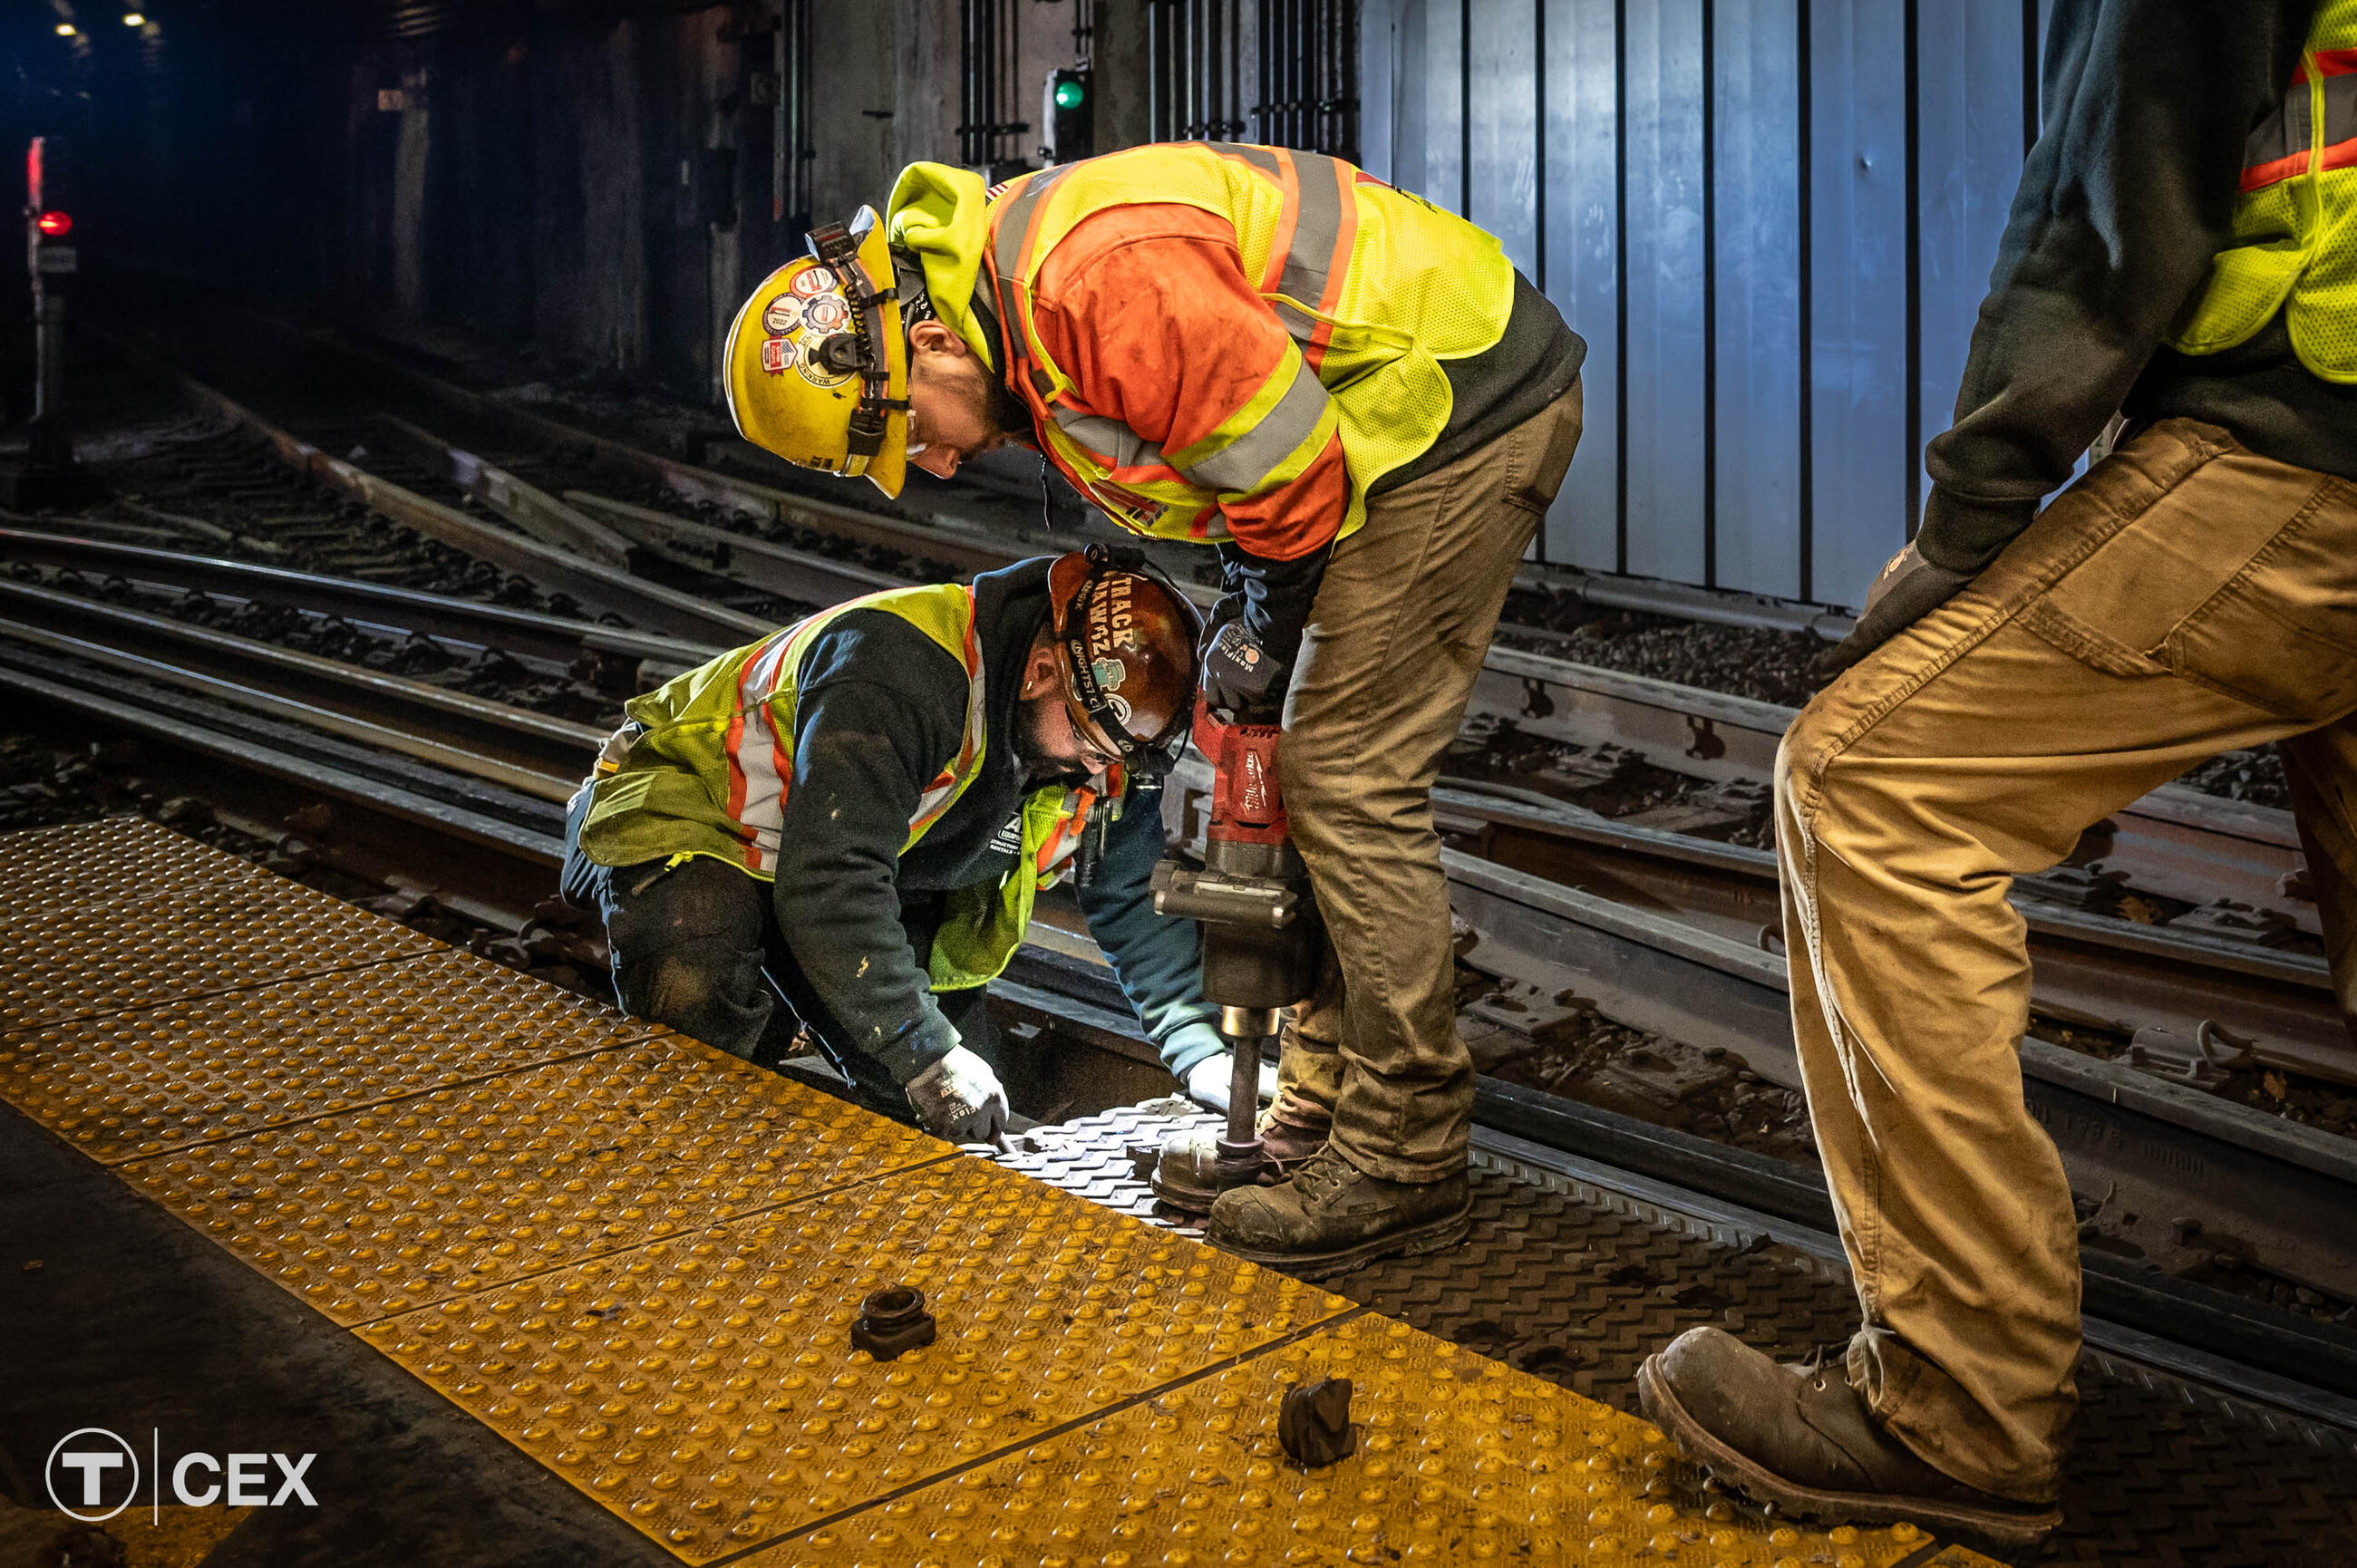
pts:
[959, 1098]
[1208, 1080]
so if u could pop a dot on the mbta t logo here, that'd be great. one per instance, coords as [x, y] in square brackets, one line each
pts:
[94, 1474]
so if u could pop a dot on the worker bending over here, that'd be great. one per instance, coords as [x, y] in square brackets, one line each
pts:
[2180, 249]
[859, 810]
[1356, 398]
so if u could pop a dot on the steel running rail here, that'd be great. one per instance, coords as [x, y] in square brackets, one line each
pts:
[2274, 1185]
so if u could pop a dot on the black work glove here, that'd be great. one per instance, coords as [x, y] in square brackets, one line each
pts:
[1240, 676]
[1908, 588]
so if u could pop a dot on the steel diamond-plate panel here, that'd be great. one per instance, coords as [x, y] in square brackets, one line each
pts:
[397, 1206]
[1577, 1285]
[1459, 1460]
[113, 859]
[144, 1082]
[704, 1388]
[95, 958]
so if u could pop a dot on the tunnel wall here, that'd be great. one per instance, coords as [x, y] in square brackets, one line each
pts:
[1772, 219]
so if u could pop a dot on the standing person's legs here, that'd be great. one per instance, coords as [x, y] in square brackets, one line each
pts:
[2322, 768]
[2184, 599]
[1309, 1064]
[1402, 623]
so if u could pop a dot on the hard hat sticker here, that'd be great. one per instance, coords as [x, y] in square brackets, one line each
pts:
[826, 313]
[1109, 673]
[774, 353]
[814, 369]
[783, 317]
[816, 280]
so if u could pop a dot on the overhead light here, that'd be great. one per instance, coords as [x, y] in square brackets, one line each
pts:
[133, 19]
[67, 29]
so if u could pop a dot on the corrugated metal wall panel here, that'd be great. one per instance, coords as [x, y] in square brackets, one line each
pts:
[1665, 522]
[1860, 238]
[1583, 262]
[1772, 220]
[1756, 336]
[1503, 133]
[1969, 148]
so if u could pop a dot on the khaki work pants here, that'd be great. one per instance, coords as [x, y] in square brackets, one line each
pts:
[2185, 598]
[1397, 637]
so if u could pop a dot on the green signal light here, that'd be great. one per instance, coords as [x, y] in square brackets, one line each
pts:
[1068, 95]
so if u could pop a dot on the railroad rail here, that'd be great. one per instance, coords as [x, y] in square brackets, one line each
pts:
[2199, 993]
[2237, 867]
[2186, 1168]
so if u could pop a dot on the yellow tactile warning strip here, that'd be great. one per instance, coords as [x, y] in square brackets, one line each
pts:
[402, 1204]
[83, 959]
[527, 1200]
[1459, 1460]
[706, 1388]
[147, 1081]
[118, 858]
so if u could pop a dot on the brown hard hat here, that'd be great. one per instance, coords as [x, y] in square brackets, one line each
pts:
[1128, 643]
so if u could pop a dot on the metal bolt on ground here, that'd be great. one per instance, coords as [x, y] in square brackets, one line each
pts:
[891, 1323]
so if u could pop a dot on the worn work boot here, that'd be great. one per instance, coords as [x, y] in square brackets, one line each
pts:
[1331, 1216]
[1799, 1437]
[1289, 1143]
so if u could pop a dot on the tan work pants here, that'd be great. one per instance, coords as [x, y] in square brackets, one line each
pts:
[1397, 637]
[2183, 598]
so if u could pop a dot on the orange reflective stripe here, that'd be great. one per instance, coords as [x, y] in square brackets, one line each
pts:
[1058, 846]
[2284, 146]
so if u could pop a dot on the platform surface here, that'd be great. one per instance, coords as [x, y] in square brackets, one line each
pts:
[637, 1260]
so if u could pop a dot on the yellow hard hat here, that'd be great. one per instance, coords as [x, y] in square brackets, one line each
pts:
[818, 372]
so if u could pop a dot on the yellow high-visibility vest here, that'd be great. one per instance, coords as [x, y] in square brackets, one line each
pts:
[710, 773]
[1376, 287]
[2294, 248]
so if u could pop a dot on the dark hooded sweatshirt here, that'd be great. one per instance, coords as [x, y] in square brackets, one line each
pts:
[880, 712]
[2128, 194]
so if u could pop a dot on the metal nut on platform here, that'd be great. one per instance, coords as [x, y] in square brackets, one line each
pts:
[1313, 1423]
[892, 1322]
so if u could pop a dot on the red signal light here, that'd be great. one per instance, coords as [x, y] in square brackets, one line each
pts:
[56, 225]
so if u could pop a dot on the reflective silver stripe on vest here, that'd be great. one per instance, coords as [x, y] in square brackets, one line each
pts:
[1006, 255]
[1316, 226]
[1310, 258]
[934, 799]
[1124, 447]
[2281, 135]
[757, 751]
[1243, 463]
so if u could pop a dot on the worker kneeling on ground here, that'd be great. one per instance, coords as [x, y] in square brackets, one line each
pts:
[1361, 403]
[858, 811]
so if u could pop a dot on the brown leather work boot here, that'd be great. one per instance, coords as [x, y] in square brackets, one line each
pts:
[1800, 1438]
[1290, 1144]
[1330, 1215]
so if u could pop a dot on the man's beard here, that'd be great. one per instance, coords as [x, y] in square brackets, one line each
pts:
[1040, 767]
